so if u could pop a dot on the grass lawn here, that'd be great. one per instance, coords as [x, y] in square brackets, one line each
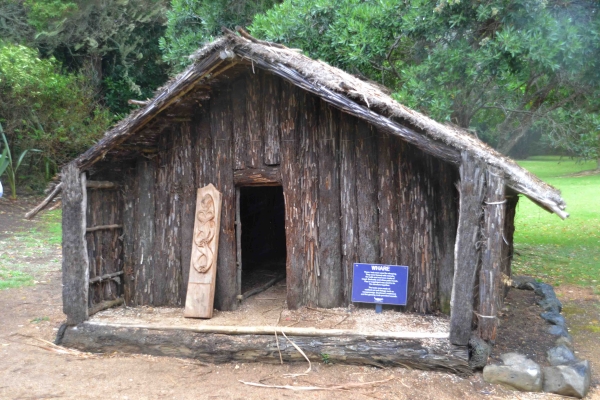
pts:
[31, 253]
[553, 250]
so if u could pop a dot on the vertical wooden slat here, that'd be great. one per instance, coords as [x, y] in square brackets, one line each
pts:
[188, 205]
[446, 207]
[254, 119]
[291, 102]
[75, 264]
[240, 125]
[508, 245]
[145, 215]
[307, 129]
[129, 241]
[328, 214]
[221, 127]
[159, 282]
[366, 193]
[490, 276]
[471, 190]
[271, 101]
[388, 198]
[348, 207]
[173, 270]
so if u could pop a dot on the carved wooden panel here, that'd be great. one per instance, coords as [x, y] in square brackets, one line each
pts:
[203, 265]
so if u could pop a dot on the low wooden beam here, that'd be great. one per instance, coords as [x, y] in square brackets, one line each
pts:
[101, 185]
[433, 354]
[490, 276]
[263, 176]
[103, 227]
[471, 189]
[105, 277]
[75, 264]
[105, 305]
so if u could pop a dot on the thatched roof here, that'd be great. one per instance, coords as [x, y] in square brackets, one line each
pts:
[365, 100]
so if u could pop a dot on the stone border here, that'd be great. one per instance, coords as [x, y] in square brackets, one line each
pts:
[567, 375]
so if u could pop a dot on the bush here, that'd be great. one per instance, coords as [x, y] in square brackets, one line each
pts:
[43, 108]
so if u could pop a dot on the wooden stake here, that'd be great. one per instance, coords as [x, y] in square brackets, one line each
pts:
[45, 202]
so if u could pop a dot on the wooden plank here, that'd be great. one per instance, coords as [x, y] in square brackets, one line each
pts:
[270, 96]
[291, 103]
[328, 214]
[145, 214]
[387, 185]
[75, 264]
[205, 251]
[308, 133]
[366, 194]
[348, 207]
[163, 186]
[445, 224]
[188, 204]
[172, 250]
[222, 163]
[425, 354]
[508, 245]
[240, 125]
[263, 176]
[471, 189]
[129, 235]
[254, 119]
[101, 185]
[490, 277]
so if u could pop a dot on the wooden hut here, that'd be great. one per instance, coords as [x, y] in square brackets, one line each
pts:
[357, 177]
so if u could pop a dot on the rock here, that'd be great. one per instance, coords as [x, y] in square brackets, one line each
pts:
[568, 380]
[554, 318]
[558, 330]
[565, 341]
[560, 355]
[479, 352]
[544, 290]
[518, 372]
[523, 282]
[550, 304]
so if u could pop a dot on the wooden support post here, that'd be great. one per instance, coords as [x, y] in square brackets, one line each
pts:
[75, 264]
[490, 276]
[471, 190]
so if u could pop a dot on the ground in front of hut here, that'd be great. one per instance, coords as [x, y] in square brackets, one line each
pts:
[31, 368]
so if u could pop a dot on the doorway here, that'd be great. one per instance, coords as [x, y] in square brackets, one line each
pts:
[263, 258]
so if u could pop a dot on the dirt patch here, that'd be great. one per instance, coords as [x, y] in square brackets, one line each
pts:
[522, 327]
[269, 309]
[29, 370]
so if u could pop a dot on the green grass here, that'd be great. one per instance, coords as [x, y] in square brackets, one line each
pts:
[14, 279]
[553, 250]
[31, 253]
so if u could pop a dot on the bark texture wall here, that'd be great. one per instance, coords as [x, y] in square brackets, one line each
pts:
[352, 194]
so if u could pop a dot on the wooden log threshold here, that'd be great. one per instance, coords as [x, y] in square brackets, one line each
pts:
[258, 344]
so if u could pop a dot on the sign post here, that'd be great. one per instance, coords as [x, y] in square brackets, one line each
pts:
[380, 284]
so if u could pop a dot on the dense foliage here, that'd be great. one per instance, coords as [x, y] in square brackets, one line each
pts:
[193, 23]
[43, 108]
[503, 69]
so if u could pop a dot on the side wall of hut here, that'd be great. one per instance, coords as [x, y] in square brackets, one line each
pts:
[352, 194]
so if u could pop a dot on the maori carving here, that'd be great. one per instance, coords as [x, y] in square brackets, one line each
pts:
[204, 235]
[200, 295]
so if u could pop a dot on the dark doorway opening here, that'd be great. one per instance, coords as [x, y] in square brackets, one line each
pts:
[262, 214]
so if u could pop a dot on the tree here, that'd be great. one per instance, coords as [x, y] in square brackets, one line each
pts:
[45, 109]
[191, 24]
[496, 67]
[113, 42]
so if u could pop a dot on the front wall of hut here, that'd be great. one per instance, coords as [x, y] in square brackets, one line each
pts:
[352, 194]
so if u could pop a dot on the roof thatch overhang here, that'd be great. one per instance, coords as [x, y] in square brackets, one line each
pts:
[366, 100]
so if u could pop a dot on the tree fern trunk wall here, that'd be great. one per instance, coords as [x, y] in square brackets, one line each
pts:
[352, 194]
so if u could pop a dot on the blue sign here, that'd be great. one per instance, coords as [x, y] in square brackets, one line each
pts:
[380, 284]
